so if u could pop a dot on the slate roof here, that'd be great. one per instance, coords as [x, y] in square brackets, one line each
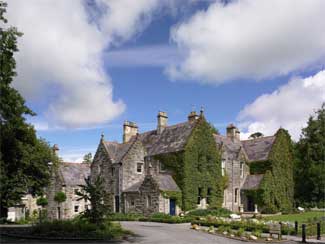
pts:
[172, 139]
[252, 182]
[164, 181]
[231, 147]
[116, 150]
[74, 174]
[258, 149]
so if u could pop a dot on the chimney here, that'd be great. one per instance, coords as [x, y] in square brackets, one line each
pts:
[162, 121]
[129, 129]
[233, 132]
[192, 116]
[56, 149]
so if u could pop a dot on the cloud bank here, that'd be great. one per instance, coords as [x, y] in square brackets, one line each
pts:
[252, 39]
[288, 107]
[60, 58]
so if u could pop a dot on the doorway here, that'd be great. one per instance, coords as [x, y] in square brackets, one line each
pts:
[117, 204]
[172, 206]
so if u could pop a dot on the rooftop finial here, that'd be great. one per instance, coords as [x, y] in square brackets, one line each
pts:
[201, 110]
[102, 136]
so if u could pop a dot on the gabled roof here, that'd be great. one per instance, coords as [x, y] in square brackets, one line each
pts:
[172, 139]
[252, 182]
[165, 183]
[116, 151]
[232, 148]
[74, 174]
[258, 149]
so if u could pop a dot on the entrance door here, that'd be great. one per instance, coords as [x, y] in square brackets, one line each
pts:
[172, 206]
[250, 204]
[117, 204]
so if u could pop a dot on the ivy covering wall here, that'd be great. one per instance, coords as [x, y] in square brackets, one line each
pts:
[198, 166]
[277, 187]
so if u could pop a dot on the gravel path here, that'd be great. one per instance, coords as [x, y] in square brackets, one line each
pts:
[158, 233]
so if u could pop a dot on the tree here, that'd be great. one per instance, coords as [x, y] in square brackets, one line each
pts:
[310, 154]
[88, 158]
[23, 157]
[60, 197]
[94, 192]
[256, 135]
[41, 201]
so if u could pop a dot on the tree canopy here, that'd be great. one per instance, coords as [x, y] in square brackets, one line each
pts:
[23, 157]
[310, 169]
[88, 158]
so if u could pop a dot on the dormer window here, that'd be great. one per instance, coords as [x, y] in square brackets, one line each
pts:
[139, 168]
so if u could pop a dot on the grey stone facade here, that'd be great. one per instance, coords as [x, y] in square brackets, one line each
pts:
[67, 178]
[134, 179]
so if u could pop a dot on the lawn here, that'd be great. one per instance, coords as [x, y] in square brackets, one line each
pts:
[300, 217]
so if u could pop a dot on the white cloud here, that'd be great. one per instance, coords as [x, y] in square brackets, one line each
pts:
[60, 57]
[250, 39]
[288, 107]
[143, 56]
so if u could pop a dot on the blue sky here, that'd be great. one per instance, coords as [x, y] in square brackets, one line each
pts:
[171, 56]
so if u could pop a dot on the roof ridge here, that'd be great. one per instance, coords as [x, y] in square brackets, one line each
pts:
[259, 138]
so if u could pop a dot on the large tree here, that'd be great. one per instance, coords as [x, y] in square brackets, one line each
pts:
[310, 164]
[23, 157]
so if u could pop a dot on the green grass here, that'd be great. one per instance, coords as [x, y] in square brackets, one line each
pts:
[300, 217]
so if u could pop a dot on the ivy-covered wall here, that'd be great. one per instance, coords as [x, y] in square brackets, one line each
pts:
[277, 187]
[198, 166]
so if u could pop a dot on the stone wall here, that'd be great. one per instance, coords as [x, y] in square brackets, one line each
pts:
[235, 181]
[102, 166]
[149, 196]
[129, 175]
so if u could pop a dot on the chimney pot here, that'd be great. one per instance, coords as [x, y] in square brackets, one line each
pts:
[129, 129]
[232, 132]
[192, 116]
[162, 121]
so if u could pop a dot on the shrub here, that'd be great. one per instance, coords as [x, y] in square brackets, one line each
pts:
[220, 212]
[78, 228]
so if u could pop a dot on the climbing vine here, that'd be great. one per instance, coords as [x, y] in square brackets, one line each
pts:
[198, 166]
[259, 167]
[277, 187]
[177, 195]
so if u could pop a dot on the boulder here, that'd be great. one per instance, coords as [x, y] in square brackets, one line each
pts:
[252, 237]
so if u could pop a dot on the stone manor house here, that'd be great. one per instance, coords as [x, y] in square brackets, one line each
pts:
[139, 179]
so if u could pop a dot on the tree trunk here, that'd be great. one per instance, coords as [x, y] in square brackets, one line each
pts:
[3, 212]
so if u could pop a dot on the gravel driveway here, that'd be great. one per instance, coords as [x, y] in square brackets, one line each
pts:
[158, 233]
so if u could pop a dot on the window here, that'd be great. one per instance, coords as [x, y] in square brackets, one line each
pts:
[225, 196]
[223, 167]
[113, 171]
[162, 167]
[86, 207]
[241, 169]
[199, 195]
[139, 168]
[236, 195]
[148, 201]
[76, 208]
[209, 193]
[132, 202]
[76, 190]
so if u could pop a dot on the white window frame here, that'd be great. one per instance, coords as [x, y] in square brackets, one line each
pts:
[136, 169]
[241, 167]
[76, 207]
[236, 195]
[223, 167]
[161, 168]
